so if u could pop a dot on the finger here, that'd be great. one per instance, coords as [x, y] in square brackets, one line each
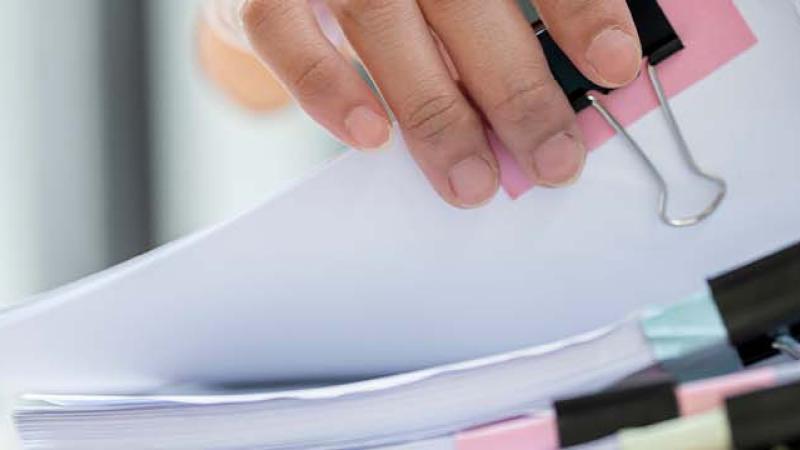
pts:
[599, 36]
[286, 36]
[445, 134]
[502, 66]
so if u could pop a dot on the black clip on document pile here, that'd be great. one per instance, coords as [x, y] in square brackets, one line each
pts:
[760, 306]
[760, 420]
[659, 41]
[767, 419]
[591, 417]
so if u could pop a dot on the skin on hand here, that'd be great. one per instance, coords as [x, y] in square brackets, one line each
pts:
[445, 67]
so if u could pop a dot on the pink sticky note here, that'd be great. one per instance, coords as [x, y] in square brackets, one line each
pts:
[713, 31]
[703, 396]
[525, 433]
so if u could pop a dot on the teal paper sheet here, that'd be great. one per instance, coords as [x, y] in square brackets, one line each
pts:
[691, 327]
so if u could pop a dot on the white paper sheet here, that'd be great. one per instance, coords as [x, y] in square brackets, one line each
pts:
[361, 270]
[396, 409]
[433, 444]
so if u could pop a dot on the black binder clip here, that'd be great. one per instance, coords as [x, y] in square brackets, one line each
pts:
[767, 419]
[659, 42]
[592, 417]
[760, 306]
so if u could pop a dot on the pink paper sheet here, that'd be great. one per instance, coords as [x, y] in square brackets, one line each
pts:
[525, 433]
[703, 396]
[713, 31]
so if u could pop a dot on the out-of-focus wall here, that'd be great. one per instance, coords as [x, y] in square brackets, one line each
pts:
[17, 239]
[51, 156]
[212, 158]
[97, 164]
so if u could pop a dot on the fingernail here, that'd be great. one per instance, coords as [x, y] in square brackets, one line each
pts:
[615, 56]
[559, 161]
[367, 129]
[474, 181]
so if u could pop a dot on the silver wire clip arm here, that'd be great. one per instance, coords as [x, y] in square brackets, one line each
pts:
[786, 344]
[721, 185]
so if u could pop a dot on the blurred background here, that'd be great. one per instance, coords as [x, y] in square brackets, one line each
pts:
[129, 123]
[116, 138]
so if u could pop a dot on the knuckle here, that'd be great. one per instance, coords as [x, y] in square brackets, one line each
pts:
[525, 101]
[363, 11]
[257, 14]
[430, 118]
[315, 75]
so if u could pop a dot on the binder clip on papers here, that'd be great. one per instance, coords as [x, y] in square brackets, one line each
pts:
[765, 419]
[659, 42]
[760, 306]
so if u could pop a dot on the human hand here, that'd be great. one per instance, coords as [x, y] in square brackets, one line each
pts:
[443, 67]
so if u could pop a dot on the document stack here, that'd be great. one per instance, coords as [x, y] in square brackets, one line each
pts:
[355, 310]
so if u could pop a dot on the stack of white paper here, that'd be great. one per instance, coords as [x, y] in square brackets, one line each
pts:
[396, 409]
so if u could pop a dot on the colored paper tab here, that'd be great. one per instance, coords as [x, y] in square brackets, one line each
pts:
[524, 433]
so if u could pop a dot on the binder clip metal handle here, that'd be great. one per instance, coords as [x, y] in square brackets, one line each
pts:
[721, 185]
[786, 344]
[659, 42]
